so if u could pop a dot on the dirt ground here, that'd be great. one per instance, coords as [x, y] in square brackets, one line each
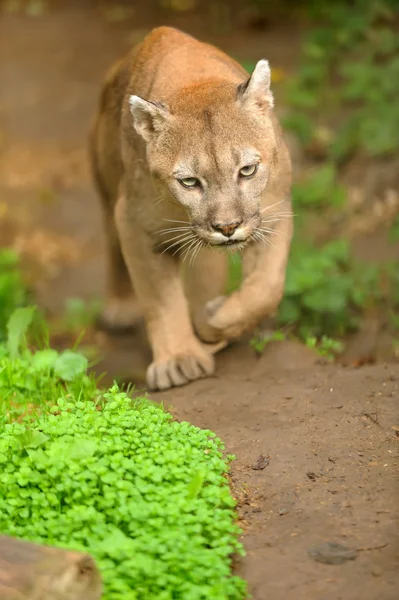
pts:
[316, 444]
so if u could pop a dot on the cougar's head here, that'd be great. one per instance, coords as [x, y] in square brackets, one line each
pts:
[213, 148]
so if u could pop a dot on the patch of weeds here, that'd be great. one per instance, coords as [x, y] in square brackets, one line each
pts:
[327, 347]
[319, 189]
[343, 102]
[94, 471]
[146, 496]
[13, 291]
[30, 381]
[327, 291]
[350, 66]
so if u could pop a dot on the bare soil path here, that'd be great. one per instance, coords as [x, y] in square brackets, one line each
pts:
[316, 444]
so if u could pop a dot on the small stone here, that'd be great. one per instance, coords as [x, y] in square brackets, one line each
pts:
[282, 512]
[261, 463]
[331, 553]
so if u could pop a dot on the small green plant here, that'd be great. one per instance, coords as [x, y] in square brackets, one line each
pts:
[327, 290]
[327, 347]
[29, 381]
[13, 291]
[79, 314]
[319, 189]
[260, 342]
[95, 471]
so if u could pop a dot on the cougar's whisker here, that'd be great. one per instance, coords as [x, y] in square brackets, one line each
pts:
[179, 235]
[177, 243]
[173, 230]
[264, 238]
[268, 230]
[277, 216]
[195, 251]
[176, 221]
[186, 243]
[273, 231]
[184, 233]
[188, 250]
[272, 205]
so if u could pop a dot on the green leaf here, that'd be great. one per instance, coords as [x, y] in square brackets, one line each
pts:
[82, 449]
[289, 311]
[70, 365]
[196, 484]
[32, 439]
[38, 439]
[234, 272]
[45, 359]
[17, 327]
[327, 300]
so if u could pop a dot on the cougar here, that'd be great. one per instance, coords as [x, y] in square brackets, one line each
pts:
[190, 163]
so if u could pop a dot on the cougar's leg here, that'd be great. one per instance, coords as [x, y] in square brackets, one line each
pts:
[178, 355]
[205, 279]
[121, 308]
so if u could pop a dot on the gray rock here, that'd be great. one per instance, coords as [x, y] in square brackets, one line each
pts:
[331, 553]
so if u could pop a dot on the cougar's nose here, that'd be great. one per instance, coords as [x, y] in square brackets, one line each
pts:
[226, 228]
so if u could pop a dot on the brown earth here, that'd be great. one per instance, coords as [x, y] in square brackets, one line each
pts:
[324, 437]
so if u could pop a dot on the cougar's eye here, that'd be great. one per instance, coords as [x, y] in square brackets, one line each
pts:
[248, 170]
[189, 182]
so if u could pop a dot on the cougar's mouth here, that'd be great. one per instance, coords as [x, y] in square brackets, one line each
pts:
[231, 245]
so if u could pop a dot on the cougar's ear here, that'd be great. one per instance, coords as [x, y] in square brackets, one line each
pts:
[255, 93]
[149, 118]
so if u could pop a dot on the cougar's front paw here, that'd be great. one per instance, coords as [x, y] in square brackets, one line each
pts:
[204, 329]
[180, 369]
[227, 316]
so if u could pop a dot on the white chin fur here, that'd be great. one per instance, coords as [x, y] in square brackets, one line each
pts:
[219, 238]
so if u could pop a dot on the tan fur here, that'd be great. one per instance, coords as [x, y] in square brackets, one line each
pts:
[173, 112]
